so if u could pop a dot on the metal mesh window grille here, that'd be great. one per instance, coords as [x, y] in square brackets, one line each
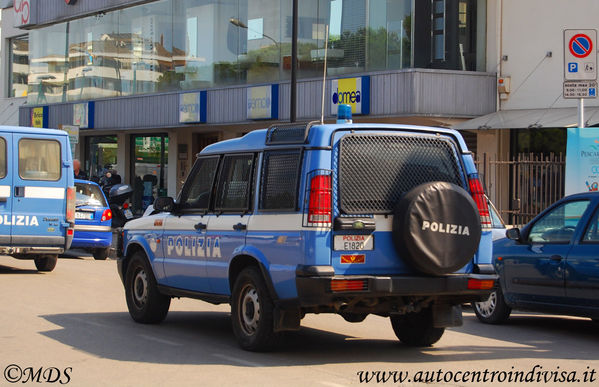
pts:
[234, 187]
[196, 193]
[375, 171]
[279, 183]
[287, 134]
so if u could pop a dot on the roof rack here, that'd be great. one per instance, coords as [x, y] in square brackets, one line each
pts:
[294, 133]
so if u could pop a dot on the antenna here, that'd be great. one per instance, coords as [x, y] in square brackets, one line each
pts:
[324, 75]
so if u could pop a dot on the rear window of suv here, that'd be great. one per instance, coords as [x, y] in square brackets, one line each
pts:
[376, 170]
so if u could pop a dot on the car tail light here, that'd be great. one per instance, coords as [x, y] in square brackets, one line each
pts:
[349, 285]
[478, 194]
[106, 215]
[477, 284]
[70, 214]
[319, 209]
[125, 205]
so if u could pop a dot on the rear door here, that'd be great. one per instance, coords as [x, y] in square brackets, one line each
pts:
[39, 191]
[5, 188]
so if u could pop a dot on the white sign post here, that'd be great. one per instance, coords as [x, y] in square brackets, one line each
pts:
[580, 67]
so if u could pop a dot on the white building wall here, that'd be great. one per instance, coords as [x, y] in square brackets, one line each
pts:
[525, 31]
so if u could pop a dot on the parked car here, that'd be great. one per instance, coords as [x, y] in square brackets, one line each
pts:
[551, 265]
[93, 218]
[350, 219]
[497, 225]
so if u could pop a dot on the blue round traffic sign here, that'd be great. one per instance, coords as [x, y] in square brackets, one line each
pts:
[580, 45]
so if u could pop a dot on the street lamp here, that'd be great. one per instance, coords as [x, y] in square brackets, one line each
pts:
[238, 23]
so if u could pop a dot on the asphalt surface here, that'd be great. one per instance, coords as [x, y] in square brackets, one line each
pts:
[74, 321]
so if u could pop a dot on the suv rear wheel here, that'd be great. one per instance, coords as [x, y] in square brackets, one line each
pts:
[101, 253]
[416, 329]
[252, 312]
[46, 262]
[145, 303]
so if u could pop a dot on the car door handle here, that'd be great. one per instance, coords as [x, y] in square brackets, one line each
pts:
[239, 227]
[200, 226]
[556, 257]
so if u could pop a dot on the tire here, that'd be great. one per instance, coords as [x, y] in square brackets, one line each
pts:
[416, 329]
[101, 254]
[145, 303]
[46, 262]
[494, 310]
[252, 312]
[436, 228]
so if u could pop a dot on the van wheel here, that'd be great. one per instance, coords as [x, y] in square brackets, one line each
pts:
[416, 329]
[101, 254]
[494, 310]
[46, 262]
[252, 312]
[145, 303]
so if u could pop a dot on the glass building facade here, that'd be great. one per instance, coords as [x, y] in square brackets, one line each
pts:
[168, 46]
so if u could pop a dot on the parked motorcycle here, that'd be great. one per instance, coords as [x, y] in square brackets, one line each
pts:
[118, 200]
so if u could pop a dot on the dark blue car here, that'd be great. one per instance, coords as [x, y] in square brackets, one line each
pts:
[93, 219]
[551, 265]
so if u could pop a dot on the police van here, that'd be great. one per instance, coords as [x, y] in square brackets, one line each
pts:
[37, 194]
[346, 218]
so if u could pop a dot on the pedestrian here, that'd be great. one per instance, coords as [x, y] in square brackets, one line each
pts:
[79, 174]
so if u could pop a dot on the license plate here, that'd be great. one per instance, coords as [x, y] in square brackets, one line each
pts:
[84, 215]
[128, 214]
[353, 242]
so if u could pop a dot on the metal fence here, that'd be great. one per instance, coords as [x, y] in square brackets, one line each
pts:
[522, 187]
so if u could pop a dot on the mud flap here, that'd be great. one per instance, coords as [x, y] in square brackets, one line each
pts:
[445, 315]
[287, 319]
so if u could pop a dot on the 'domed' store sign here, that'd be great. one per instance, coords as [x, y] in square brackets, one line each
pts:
[354, 92]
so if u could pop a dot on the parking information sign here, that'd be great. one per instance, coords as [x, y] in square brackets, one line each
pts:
[580, 55]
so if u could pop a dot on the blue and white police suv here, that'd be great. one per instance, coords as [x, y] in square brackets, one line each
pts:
[343, 218]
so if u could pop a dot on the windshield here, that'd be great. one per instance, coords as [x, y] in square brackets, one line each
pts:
[89, 195]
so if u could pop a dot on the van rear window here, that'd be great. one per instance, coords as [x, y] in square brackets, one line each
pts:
[2, 158]
[39, 159]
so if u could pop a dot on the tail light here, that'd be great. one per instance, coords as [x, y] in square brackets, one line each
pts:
[354, 285]
[125, 205]
[478, 284]
[319, 209]
[70, 214]
[106, 215]
[478, 194]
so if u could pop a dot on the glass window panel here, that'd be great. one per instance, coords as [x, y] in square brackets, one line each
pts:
[39, 159]
[196, 194]
[235, 183]
[47, 65]
[592, 232]
[2, 158]
[559, 224]
[19, 66]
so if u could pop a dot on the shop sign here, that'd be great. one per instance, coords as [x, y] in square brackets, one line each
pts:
[39, 117]
[24, 12]
[73, 132]
[263, 102]
[83, 115]
[582, 160]
[192, 107]
[354, 92]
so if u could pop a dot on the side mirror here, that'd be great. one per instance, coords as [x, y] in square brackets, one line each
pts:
[513, 234]
[164, 204]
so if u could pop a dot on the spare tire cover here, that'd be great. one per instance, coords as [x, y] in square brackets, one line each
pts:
[436, 228]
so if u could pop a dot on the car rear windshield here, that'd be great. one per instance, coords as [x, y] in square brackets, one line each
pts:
[376, 170]
[89, 195]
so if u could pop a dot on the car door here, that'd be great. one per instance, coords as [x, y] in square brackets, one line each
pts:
[227, 229]
[582, 266]
[5, 188]
[39, 191]
[184, 239]
[534, 270]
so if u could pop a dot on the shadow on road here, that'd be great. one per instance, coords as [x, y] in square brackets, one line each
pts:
[16, 270]
[207, 338]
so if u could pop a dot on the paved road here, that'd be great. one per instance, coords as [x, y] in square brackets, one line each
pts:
[75, 319]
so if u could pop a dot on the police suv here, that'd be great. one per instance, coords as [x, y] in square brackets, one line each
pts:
[345, 218]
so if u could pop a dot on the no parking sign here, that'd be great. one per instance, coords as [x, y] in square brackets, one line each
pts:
[580, 55]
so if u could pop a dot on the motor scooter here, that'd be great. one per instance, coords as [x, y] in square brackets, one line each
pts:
[118, 200]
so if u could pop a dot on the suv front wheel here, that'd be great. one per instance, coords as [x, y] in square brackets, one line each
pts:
[145, 303]
[416, 329]
[252, 312]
